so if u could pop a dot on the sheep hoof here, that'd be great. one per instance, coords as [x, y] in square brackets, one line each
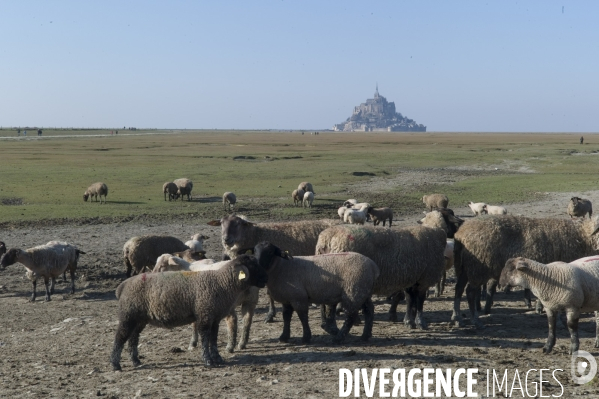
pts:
[422, 325]
[47, 299]
[218, 359]
[365, 337]
[596, 344]
[547, 349]
[269, 318]
[241, 347]
[116, 367]
[393, 317]
[284, 340]
[230, 349]
[478, 325]
[190, 347]
[333, 330]
[136, 363]
[209, 363]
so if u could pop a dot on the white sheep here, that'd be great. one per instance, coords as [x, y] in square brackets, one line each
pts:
[298, 196]
[494, 210]
[230, 199]
[477, 207]
[308, 198]
[570, 287]
[95, 190]
[196, 243]
[353, 216]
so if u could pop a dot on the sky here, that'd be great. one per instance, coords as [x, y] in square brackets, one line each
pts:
[513, 66]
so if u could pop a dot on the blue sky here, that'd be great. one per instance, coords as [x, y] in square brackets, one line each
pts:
[452, 66]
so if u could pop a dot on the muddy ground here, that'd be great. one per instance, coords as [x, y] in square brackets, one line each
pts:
[60, 349]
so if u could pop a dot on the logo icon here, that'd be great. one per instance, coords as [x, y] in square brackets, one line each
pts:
[586, 367]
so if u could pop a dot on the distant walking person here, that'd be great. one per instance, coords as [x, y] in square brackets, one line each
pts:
[39, 132]
[24, 132]
[581, 139]
[18, 132]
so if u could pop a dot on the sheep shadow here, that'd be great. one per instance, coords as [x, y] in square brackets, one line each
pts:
[205, 200]
[124, 202]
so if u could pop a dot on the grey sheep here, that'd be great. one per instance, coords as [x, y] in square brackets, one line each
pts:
[298, 196]
[95, 190]
[305, 186]
[140, 252]
[578, 207]
[379, 215]
[229, 198]
[173, 299]
[297, 282]
[184, 187]
[308, 199]
[171, 189]
[483, 246]
[299, 238]
[48, 261]
[570, 287]
[409, 259]
[435, 201]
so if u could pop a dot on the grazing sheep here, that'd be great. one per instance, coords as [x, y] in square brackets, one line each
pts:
[95, 190]
[483, 246]
[173, 299]
[409, 259]
[570, 287]
[299, 238]
[197, 242]
[477, 207]
[305, 186]
[298, 196]
[171, 189]
[435, 201]
[578, 207]
[140, 252]
[345, 278]
[48, 261]
[184, 187]
[380, 214]
[354, 216]
[308, 198]
[230, 199]
[494, 210]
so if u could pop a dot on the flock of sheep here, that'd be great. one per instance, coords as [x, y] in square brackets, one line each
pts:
[334, 264]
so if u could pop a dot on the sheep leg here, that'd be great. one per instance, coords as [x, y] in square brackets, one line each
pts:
[390, 220]
[34, 284]
[368, 311]
[133, 343]
[287, 313]
[123, 332]
[52, 285]
[472, 292]
[231, 320]
[272, 310]
[456, 316]
[551, 320]
[347, 325]
[395, 298]
[327, 316]
[440, 287]
[194, 338]
[420, 298]
[72, 273]
[247, 311]
[64, 276]
[528, 298]
[302, 313]
[47, 284]
[410, 306]
[491, 288]
[214, 355]
[539, 307]
[596, 329]
[129, 267]
[204, 331]
[573, 317]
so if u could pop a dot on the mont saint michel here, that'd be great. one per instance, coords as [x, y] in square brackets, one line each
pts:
[377, 114]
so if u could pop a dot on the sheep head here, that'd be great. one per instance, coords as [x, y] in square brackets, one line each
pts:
[266, 253]
[85, 197]
[2, 247]
[513, 274]
[9, 258]
[234, 230]
[247, 268]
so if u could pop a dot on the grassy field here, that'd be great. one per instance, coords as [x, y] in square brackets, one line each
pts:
[45, 178]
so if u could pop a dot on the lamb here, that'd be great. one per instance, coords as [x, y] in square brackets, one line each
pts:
[409, 259]
[299, 238]
[560, 286]
[353, 216]
[305, 186]
[298, 196]
[230, 199]
[483, 246]
[171, 189]
[95, 190]
[140, 252]
[247, 300]
[173, 299]
[494, 210]
[578, 207]
[308, 198]
[435, 201]
[380, 214]
[48, 261]
[341, 211]
[184, 187]
[346, 278]
[477, 207]
[197, 242]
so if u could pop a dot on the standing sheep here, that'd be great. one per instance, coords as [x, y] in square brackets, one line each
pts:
[409, 259]
[95, 190]
[380, 214]
[299, 238]
[48, 261]
[184, 187]
[197, 242]
[297, 282]
[174, 299]
[305, 186]
[298, 196]
[570, 287]
[483, 246]
[578, 207]
[230, 199]
[140, 252]
[435, 201]
[308, 198]
[477, 207]
[354, 216]
[171, 189]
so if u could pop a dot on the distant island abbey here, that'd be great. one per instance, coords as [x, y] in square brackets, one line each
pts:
[377, 114]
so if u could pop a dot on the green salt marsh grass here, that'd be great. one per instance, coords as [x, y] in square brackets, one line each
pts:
[45, 178]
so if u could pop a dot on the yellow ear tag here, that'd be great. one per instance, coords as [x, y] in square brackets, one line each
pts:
[248, 252]
[242, 275]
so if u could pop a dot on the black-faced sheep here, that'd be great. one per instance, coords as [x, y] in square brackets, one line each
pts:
[433, 201]
[483, 246]
[578, 207]
[298, 196]
[229, 199]
[95, 190]
[570, 287]
[297, 282]
[173, 299]
[2, 248]
[48, 261]
[140, 252]
[380, 214]
[184, 187]
[171, 189]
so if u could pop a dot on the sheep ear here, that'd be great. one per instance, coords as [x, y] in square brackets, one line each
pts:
[521, 265]
[214, 223]
[242, 273]
[286, 255]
